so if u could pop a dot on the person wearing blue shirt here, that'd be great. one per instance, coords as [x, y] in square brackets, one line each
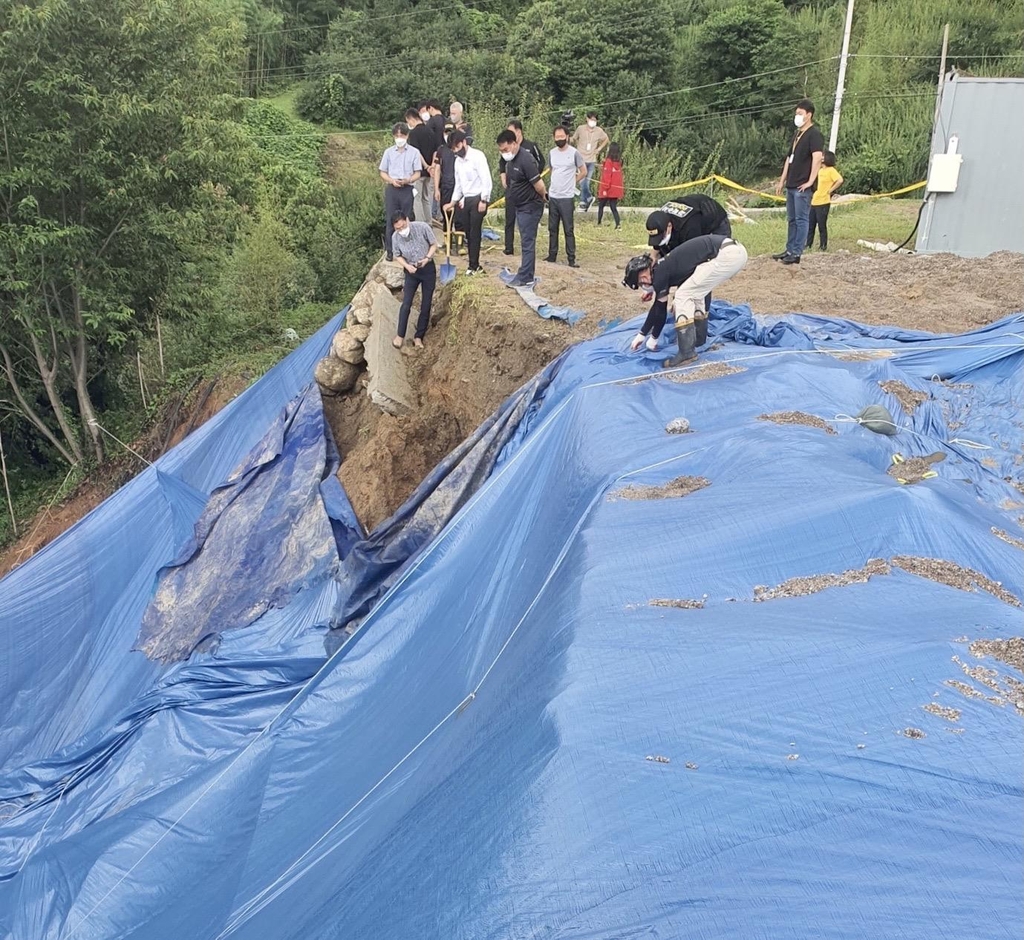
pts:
[400, 167]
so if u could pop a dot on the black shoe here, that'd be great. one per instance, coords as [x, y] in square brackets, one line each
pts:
[508, 251]
[551, 259]
[573, 264]
[791, 259]
[780, 256]
[389, 257]
[686, 338]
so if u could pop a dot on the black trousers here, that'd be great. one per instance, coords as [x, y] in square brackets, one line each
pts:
[819, 218]
[473, 226]
[613, 206]
[395, 199]
[561, 212]
[425, 278]
[510, 227]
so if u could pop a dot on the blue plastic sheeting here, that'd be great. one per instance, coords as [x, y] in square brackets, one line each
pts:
[70, 614]
[544, 308]
[267, 526]
[517, 743]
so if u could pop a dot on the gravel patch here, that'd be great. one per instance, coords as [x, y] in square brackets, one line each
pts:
[915, 469]
[915, 733]
[1009, 539]
[680, 486]
[683, 604]
[942, 711]
[708, 370]
[812, 584]
[798, 417]
[953, 575]
[908, 398]
[678, 426]
[1009, 651]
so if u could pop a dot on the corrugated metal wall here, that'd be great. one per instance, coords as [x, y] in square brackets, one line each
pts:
[986, 213]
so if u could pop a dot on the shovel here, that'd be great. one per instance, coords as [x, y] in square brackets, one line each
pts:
[448, 271]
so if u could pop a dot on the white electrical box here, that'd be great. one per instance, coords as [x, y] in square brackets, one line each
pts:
[944, 172]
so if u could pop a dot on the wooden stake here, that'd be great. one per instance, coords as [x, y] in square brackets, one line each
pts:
[142, 387]
[160, 347]
[7, 486]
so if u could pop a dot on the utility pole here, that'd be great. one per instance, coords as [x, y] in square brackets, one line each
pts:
[841, 83]
[942, 74]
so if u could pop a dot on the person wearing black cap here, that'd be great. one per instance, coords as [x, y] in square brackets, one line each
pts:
[694, 268]
[685, 218]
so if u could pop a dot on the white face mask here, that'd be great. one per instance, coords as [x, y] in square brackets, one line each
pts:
[424, 116]
[591, 123]
[404, 232]
[399, 142]
[666, 239]
[508, 157]
[798, 120]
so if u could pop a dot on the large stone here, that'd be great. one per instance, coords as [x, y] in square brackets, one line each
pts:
[360, 331]
[389, 386]
[347, 348]
[362, 303]
[335, 376]
[392, 274]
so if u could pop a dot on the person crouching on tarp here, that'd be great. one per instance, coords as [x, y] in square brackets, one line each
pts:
[695, 268]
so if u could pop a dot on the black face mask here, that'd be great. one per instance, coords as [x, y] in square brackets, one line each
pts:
[561, 141]
[461, 153]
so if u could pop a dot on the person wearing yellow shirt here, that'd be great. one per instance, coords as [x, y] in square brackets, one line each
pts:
[829, 180]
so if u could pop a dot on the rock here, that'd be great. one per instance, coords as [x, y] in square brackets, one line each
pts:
[335, 376]
[389, 387]
[360, 331]
[678, 426]
[391, 274]
[362, 303]
[347, 348]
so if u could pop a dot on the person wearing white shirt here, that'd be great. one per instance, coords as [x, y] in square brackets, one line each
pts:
[472, 193]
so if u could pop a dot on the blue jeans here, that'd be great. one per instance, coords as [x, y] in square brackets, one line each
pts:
[527, 221]
[798, 210]
[585, 197]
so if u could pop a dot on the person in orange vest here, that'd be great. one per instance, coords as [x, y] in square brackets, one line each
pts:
[612, 187]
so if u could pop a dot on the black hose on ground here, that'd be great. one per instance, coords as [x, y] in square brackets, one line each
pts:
[913, 231]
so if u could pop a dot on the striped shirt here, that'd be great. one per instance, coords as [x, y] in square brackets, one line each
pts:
[414, 246]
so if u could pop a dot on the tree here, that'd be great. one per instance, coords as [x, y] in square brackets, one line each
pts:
[749, 38]
[114, 140]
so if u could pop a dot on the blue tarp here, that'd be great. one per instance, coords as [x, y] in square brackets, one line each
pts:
[516, 742]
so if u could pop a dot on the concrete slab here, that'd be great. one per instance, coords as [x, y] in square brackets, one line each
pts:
[389, 387]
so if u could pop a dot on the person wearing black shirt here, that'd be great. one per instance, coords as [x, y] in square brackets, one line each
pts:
[694, 268]
[516, 126]
[422, 138]
[446, 165]
[525, 193]
[682, 219]
[685, 218]
[799, 174]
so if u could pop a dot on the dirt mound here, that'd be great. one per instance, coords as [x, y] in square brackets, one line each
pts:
[953, 575]
[906, 396]
[482, 345]
[941, 293]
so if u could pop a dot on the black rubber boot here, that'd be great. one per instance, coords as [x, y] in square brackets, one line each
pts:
[701, 325]
[686, 337]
